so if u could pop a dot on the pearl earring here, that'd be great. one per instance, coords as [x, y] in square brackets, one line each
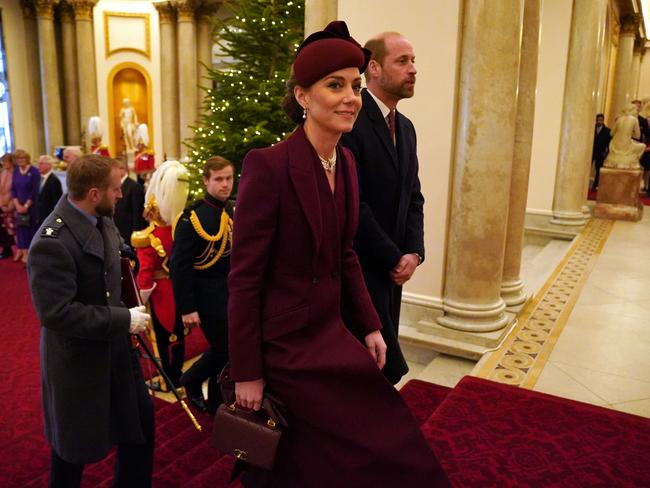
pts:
[304, 113]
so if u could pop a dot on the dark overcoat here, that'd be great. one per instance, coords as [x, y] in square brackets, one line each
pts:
[292, 265]
[89, 371]
[128, 210]
[390, 214]
[48, 196]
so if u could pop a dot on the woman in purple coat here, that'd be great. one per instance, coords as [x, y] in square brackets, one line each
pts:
[292, 267]
[24, 192]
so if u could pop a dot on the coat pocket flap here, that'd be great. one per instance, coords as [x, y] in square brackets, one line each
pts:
[285, 322]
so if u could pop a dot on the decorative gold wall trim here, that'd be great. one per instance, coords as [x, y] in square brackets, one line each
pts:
[111, 103]
[524, 353]
[147, 51]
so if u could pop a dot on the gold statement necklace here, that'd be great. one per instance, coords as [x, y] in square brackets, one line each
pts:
[328, 163]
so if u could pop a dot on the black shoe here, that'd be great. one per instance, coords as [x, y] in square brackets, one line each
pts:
[195, 397]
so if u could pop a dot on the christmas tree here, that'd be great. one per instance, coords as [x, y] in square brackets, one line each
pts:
[243, 111]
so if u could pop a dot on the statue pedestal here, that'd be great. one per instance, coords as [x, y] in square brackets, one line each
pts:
[618, 194]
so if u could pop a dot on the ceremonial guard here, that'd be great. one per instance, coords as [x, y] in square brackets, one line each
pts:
[144, 163]
[95, 132]
[165, 199]
[199, 266]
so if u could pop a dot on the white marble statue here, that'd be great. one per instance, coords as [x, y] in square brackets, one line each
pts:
[129, 121]
[624, 152]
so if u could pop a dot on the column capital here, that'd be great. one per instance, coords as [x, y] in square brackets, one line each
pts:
[208, 9]
[166, 12]
[45, 8]
[185, 10]
[630, 24]
[29, 12]
[66, 11]
[83, 9]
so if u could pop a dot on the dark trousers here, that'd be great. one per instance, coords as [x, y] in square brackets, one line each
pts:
[6, 241]
[210, 364]
[599, 164]
[171, 355]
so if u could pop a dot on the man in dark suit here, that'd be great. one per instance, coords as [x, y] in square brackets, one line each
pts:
[94, 395]
[50, 188]
[390, 237]
[602, 136]
[128, 210]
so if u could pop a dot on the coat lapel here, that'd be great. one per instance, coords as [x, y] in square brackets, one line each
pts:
[301, 170]
[379, 125]
[83, 230]
[351, 195]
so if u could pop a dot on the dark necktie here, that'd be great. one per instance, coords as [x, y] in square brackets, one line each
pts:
[391, 124]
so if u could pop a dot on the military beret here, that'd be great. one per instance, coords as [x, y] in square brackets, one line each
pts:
[326, 51]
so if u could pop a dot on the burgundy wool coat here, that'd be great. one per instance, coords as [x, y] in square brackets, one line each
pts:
[292, 265]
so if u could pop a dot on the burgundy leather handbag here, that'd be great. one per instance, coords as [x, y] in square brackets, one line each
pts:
[252, 437]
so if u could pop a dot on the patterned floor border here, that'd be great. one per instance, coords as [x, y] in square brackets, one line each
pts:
[524, 353]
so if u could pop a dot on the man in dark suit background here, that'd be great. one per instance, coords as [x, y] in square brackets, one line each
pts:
[49, 190]
[602, 136]
[390, 237]
[128, 211]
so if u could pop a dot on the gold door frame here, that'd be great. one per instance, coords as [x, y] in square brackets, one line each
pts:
[113, 136]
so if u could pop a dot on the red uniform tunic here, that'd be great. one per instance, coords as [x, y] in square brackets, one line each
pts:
[153, 269]
[144, 162]
[101, 150]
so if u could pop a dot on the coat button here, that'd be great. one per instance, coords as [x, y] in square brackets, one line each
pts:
[314, 280]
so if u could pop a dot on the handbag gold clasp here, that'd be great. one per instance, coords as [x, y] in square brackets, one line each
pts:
[232, 407]
[240, 454]
[271, 423]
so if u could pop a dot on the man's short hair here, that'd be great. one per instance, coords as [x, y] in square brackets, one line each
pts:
[600, 115]
[377, 47]
[216, 163]
[47, 159]
[636, 101]
[72, 150]
[89, 171]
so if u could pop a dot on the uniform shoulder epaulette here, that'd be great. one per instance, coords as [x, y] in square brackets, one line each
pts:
[52, 227]
[141, 238]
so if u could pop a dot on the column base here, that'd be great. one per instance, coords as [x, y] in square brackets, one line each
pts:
[572, 219]
[618, 194]
[512, 292]
[473, 318]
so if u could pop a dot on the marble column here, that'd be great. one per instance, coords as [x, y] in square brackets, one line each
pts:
[187, 62]
[204, 49]
[35, 86]
[512, 286]
[88, 104]
[623, 73]
[578, 113]
[636, 71]
[49, 75]
[319, 13]
[169, 80]
[485, 133]
[70, 80]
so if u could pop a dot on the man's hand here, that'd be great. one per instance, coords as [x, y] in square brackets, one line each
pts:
[139, 319]
[404, 269]
[191, 320]
[376, 347]
[249, 393]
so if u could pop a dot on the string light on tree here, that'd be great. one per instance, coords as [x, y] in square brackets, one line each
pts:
[243, 107]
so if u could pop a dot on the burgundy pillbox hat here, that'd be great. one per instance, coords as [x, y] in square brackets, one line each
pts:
[327, 51]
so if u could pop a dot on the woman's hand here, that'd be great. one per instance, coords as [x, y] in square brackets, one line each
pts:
[376, 347]
[249, 393]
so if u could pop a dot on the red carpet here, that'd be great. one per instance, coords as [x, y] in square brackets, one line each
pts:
[645, 200]
[489, 434]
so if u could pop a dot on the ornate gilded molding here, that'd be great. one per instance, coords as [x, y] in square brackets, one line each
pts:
[83, 9]
[67, 12]
[166, 12]
[107, 38]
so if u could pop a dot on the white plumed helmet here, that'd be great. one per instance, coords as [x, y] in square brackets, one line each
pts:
[142, 135]
[169, 185]
[95, 127]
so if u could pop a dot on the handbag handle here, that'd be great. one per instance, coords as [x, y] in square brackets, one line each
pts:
[270, 423]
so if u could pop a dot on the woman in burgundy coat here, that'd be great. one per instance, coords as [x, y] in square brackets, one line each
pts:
[292, 265]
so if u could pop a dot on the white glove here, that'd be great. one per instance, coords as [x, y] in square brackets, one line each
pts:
[145, 294]
[139, 319]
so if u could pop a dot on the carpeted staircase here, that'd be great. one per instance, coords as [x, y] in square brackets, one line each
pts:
[484, 433]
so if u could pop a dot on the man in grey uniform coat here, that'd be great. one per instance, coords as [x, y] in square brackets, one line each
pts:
[93, 392]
